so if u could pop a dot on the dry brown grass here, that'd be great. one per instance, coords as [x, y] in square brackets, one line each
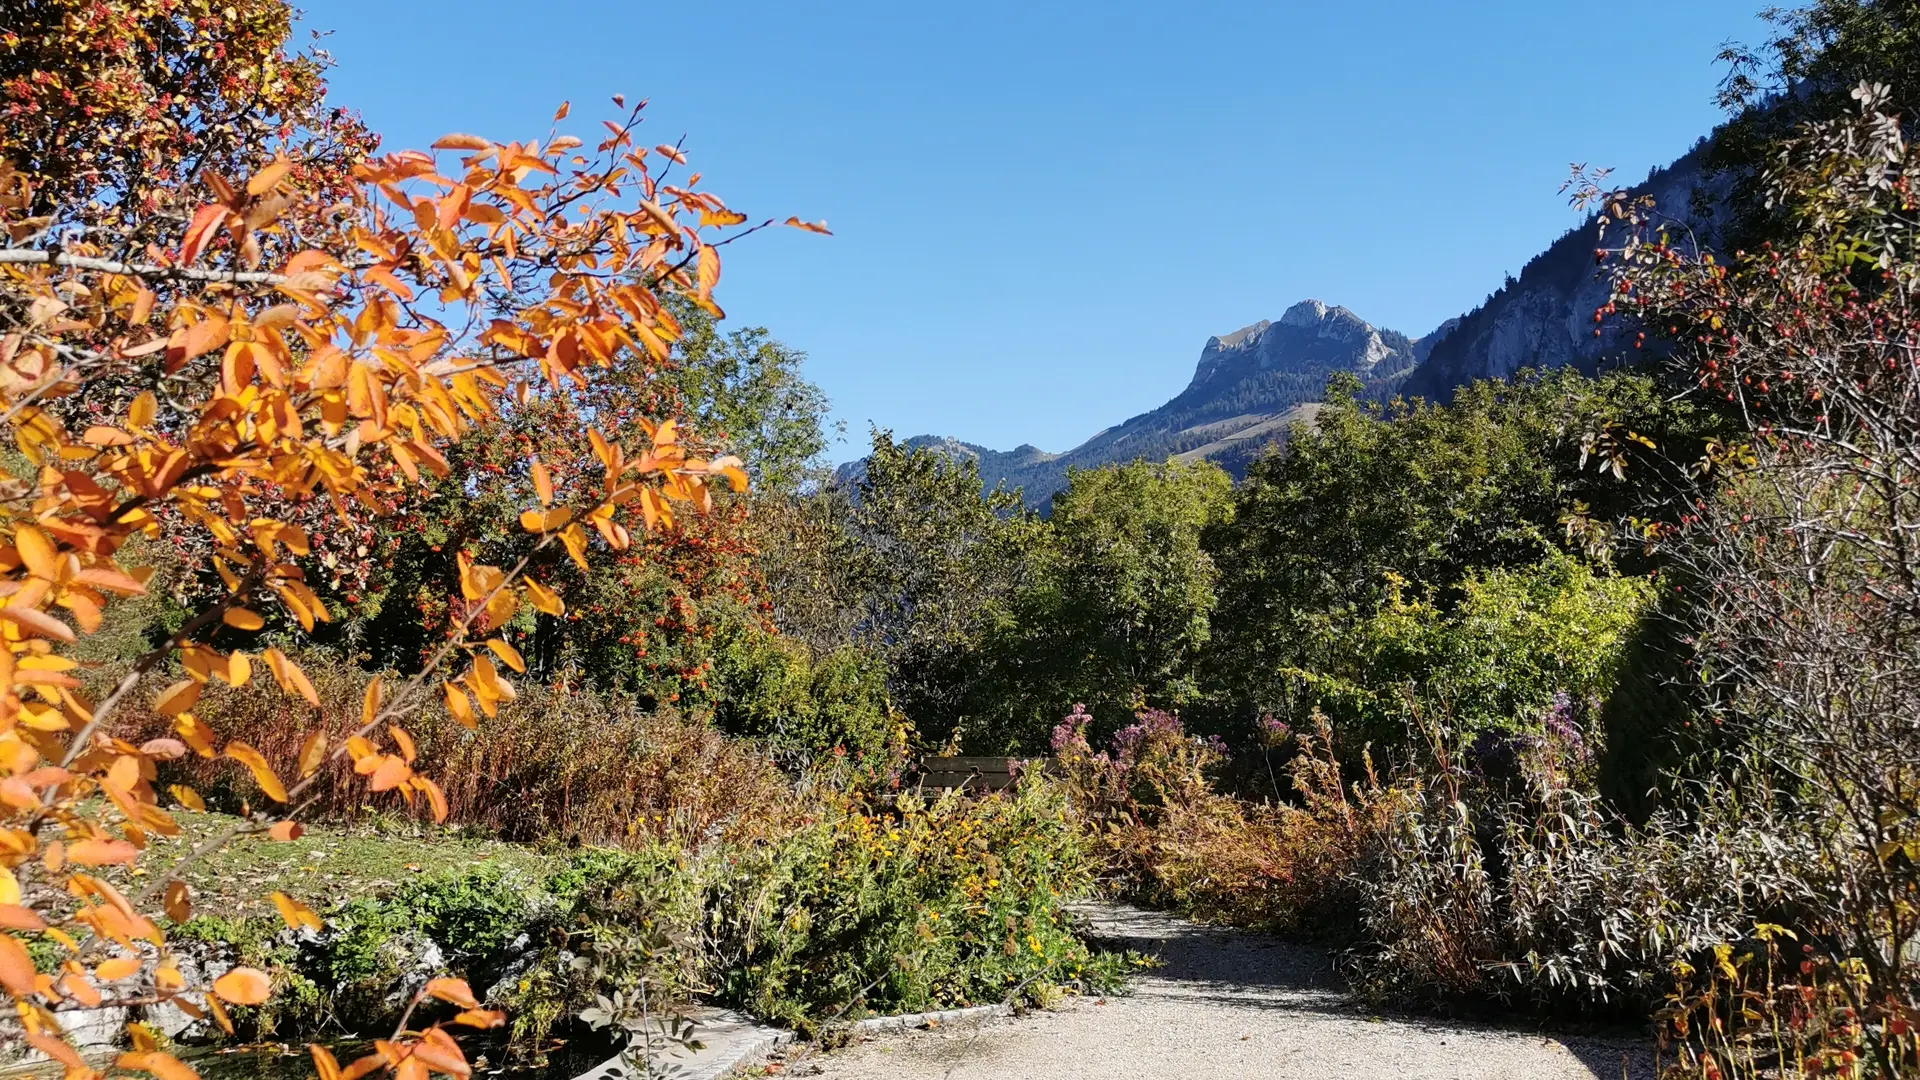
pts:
[560, 762]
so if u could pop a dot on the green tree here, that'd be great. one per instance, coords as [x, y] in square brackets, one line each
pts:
[936, 564]
[1127, 603]
[1374, 504]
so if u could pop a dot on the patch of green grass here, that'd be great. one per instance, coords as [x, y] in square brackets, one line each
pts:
[325, 865]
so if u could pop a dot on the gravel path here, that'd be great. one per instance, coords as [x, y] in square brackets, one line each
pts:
[1226, 1004]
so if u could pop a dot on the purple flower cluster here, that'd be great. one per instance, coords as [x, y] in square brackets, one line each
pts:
[1070, 735]
[1563, 724]
[1145, 726]
[1273, 730]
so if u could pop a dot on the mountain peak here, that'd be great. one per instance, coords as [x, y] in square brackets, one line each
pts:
[1308, 313]
[1311, 338]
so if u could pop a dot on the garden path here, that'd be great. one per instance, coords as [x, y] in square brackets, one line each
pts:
[1224, 1005]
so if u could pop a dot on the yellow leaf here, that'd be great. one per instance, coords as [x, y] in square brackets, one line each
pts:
[243, 619]
[460, 705]
[370, 704]
[9, 887]
[141, 413]
[576, 541]
[177, 698]
[508, 655]
[487, 677]
[312, 753]
[544, 599]
[239, 668]
[290, 677]
[38, 552]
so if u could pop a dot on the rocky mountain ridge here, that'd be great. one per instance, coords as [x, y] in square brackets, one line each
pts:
[1248, 387]
[1251, 385]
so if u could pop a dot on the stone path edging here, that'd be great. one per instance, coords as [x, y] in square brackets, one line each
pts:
[732, 1042]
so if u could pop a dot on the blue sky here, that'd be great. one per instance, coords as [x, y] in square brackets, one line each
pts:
[1042, 210]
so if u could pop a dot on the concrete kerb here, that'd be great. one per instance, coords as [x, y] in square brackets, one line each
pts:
[888, 1025]
[732, 1043]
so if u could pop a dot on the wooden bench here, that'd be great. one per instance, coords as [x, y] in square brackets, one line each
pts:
[971, 774]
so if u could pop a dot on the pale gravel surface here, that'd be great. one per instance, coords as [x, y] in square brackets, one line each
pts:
[1225, 1005]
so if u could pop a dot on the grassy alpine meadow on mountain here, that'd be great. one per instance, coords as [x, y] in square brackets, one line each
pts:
[439, 640]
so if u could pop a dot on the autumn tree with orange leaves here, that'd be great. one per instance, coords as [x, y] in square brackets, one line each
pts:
[235, 359]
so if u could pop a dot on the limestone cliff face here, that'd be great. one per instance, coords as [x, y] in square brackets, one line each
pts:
[1544, 319]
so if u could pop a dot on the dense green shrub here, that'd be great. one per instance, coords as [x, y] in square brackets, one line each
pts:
[1496, 660]
[775, 691]
[1379, 525]
[863, 908]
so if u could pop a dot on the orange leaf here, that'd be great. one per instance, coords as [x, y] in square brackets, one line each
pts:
[453, 991]
[391, 773]
[242, 619]
[285, 831]
[296, 913]
[264, 180]
[177, 902]
[324, 1063]
[257, 764]
[34, 621]
[243, 986]
[56, 1048]
[15, 917]
[544, 599]
[404, 741]
[16, 967]
[436, 798]
[441, 1057]
[100, 852]
[481, 1018]
[200, 231]
[459, 705]
[542, 483]
[167, 1067]
[457, 141]
[117, 968]
[102, 435]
